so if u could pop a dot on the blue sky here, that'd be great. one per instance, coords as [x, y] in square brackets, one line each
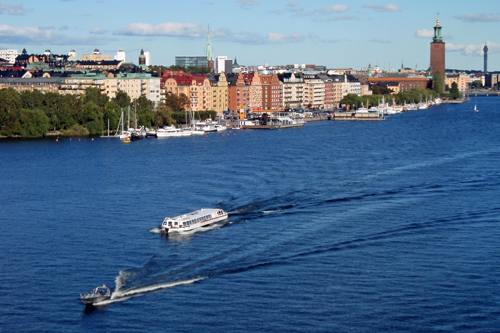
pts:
[335, 34]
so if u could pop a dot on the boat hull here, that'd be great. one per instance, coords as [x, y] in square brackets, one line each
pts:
[94, 300]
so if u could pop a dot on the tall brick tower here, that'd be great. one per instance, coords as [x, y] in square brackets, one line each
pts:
[437, 53]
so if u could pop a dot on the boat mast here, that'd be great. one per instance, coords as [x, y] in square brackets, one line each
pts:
[128, 120]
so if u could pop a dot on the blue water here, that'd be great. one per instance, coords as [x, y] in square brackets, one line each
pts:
[389, 226]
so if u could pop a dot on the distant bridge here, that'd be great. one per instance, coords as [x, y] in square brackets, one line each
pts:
[482, 92]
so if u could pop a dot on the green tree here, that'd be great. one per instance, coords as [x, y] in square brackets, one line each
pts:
[350, 100]
[113, 113]
[32, 99]
[172, 102]
[437, 82]
[145, 113]
[477, 84]
[184, 102]
[95, 95]
[91, 118]
[10, 105]
[122, 99]
[163, 116]
[34, 123]
[454, 92]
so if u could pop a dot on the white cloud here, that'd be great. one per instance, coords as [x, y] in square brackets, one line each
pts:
[473, 18]
[38, 36]
[424, 33]
[248, 3]
[334, 9]
[386, 8]
[292, 7]
[12, 10]
[473, 50]
[98, 31]
[176, 29]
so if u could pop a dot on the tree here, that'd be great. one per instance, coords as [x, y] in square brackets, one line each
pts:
[477, 84]
[184, 102]
[163, 115]
[34, 123]
[122, 99]
[95, 95]
[145, 113]
[10, 105]
[32, 99]
[112, 112]
[172, 101]
[454, 91]
[91, 118]
[437, 82]
[351, 99]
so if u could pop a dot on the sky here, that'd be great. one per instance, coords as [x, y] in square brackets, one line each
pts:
[350, 34]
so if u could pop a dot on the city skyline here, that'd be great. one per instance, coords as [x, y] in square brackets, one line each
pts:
[350, 34]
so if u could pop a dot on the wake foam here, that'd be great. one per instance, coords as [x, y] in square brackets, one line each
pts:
[143, 290]
[156, 230]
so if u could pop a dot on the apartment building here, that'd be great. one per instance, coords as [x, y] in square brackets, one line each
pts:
[293, 90]
[239, 93]
[461, 79]
[196, 87]
[272, 92]
[219, 93]
[314, 96]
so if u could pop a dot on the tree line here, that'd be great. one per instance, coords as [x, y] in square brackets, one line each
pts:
[33, 114]
[383, 93]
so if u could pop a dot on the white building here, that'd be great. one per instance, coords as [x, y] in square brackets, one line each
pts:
[9, 55]
[72, 53]
[147, 54]
[120, 55]
[221, 64]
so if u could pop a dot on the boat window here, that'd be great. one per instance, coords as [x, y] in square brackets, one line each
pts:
[170, 223]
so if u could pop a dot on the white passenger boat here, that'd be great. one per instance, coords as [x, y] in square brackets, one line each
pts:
[194, 220]
[99, 294]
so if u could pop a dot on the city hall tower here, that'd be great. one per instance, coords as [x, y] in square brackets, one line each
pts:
[437, 53]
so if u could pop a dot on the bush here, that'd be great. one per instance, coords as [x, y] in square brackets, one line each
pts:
[76, 130]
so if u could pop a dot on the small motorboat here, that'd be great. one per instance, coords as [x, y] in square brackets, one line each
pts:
[99, 294]
[135, 136]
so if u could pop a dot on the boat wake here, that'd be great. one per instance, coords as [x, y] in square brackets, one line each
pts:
[119, 295]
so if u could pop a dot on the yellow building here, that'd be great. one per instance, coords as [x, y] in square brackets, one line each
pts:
[219, 93]
[134, 84]
[461, 79]
[196, 87]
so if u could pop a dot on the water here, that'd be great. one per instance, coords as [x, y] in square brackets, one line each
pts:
[334, 227]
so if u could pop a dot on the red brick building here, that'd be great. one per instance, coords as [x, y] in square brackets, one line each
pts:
[239, 92]
[272, 92]
[438, 53]
[405, 83]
